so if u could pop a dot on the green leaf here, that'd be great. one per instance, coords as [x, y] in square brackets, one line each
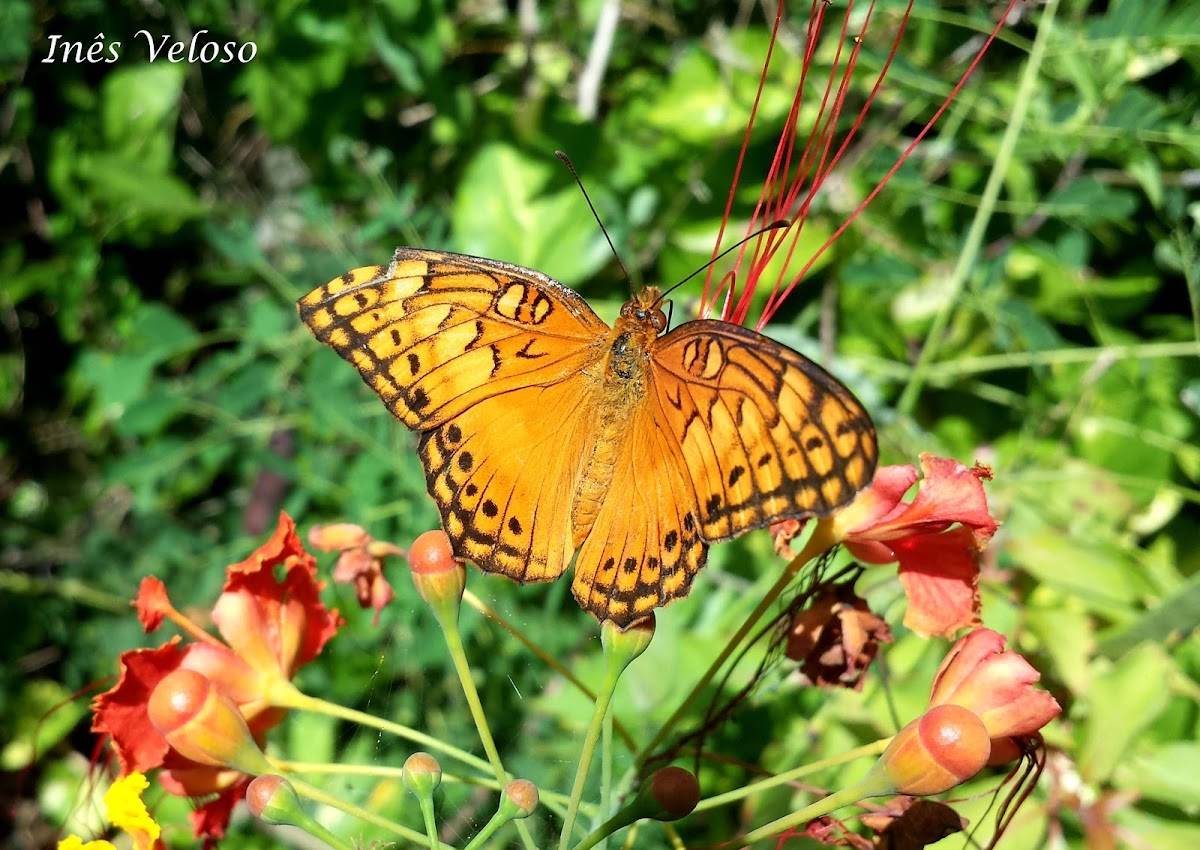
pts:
[504, 210]
[1178, 614]
[1121, 703]
[139, 107]
[45, 713]
[1166, 773]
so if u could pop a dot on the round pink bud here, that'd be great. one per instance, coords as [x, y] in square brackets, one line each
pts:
[944, 747]
[202, 723]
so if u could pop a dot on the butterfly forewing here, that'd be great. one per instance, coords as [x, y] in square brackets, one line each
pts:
[434, 334]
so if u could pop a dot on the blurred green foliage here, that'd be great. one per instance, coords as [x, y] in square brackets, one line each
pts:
[159, 401]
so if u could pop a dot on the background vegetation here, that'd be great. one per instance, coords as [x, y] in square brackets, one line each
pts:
[159, 401]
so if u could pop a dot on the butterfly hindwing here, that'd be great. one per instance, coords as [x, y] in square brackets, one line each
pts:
[435, 333]
[503, 474]
[644, 547]
[763, 432]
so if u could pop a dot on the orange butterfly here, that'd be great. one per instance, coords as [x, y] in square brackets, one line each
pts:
[544, 431]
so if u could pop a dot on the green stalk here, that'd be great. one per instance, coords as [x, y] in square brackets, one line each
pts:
[459, 656]
[318, 796]
[987, 204]
[818, 543]
[304, 702]
[612, 674]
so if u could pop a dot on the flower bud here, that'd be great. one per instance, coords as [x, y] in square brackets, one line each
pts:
[272, 799]
[422, 774]
[203, 724]
[944, 747]
[628, 643]
[438, 576]
[521, 797]
[670, 793]
[337, 536]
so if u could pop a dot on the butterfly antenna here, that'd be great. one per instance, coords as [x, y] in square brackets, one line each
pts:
[566, 160]
[775, 225]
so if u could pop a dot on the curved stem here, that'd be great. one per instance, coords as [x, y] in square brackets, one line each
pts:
[987, 204]
[315, 794]
[304, 702]
[819, 542]
[612, 674]
[739, 794]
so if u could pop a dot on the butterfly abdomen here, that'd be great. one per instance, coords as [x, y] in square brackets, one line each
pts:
[621, 380]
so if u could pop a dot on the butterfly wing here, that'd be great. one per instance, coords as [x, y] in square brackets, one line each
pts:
[644, 546]
[736, 432]
[435, 333]
[485, 359]
[762, 432]
[504, 474]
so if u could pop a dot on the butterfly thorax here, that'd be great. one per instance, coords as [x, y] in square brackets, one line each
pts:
[621, 379]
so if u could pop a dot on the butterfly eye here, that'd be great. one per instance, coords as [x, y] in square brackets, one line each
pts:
[659, 320]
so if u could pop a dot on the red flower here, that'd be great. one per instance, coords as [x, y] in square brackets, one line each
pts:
[996, 685]
[271, 627]
[983, 709]
[939, 565]
[360, 563]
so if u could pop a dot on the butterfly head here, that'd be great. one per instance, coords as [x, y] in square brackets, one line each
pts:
[645, 310]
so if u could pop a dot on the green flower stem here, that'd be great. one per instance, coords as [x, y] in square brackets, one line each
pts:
[303, 820]
[552, 800]
[606, 770]
[820, 541]
[303, 702]
[790, 776]
[325, 768]
[489, 829]
[987, 204]
[612, 675]
[618, 821]
[315, 794]
[870, 786]
[543, 656]
[502, 816]
[425, 801]
[458, 655]
[63, 588]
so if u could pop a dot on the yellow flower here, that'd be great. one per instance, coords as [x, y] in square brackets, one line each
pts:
[127, 811]
[74, 842]
[123, 802]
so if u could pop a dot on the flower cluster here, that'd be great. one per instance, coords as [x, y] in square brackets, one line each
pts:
[983, 710]
[272, 621]
[936, 538]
